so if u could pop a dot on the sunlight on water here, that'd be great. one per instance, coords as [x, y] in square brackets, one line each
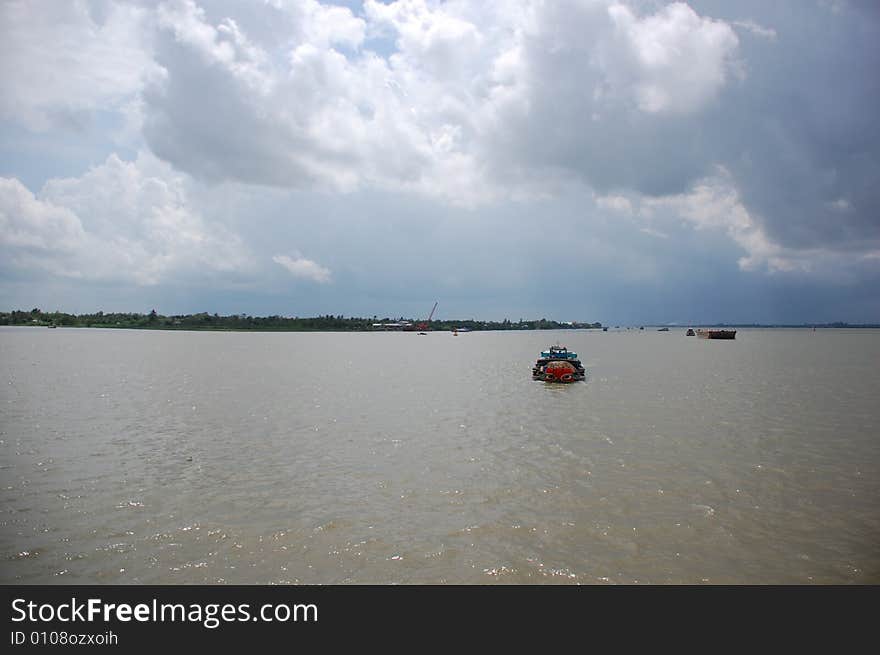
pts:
[190, 457]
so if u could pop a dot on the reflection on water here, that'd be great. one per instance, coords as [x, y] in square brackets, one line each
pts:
[191, 457]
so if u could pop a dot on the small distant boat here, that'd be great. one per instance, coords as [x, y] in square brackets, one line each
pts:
[604, 329]
[663, 330]
[558, 365]
[716, 334]
[689, 333]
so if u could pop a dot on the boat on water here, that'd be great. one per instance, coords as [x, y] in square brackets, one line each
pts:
[689, 333]
[716, 334]
[663, 329]
[558, 364]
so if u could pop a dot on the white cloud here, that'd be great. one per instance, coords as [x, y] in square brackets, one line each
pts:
[61, 61]
[756, 29]
[303, 115]
[654, 233]
[436, 42]
[443, 115]
[121, 221]
[30, 224]
[714, 203]
[839, 205]
[673, 61]
[301, 267]
[224, 45]
[619, 204]
[328, 25]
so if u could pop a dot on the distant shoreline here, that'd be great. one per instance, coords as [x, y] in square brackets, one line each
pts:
[246, 323]
[329, 323]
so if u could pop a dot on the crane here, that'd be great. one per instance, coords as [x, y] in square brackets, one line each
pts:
[424, 326]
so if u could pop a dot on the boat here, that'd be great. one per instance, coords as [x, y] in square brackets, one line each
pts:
[664, 329]
[689, 333]
[558, 364]
[716, 334]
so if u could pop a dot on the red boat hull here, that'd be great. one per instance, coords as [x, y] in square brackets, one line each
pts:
[559, 372]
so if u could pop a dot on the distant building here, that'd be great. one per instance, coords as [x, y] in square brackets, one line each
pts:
[392, 326]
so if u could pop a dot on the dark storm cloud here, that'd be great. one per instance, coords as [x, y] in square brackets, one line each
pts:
[794, 123]
[800, 133]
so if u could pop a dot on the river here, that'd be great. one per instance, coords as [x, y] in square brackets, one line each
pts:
[135, 456]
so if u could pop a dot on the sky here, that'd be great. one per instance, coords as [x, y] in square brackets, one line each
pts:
[628, 162]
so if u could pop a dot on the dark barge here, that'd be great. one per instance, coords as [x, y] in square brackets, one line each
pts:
[558, 365]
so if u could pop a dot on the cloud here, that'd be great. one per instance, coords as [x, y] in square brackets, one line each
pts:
[303, 268]
[38, 236]
[121, 221]
[619, 204]
[654, 233]
[755, 29]
[597, 93]
[443, 114]
[715, 203]
[799, 136]
[440, 43]
[61, 62]
[296, 115]
[673, 61]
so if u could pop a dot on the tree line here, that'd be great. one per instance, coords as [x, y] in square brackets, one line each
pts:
[206, 321]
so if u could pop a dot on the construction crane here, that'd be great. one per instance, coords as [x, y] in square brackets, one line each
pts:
[424, 326]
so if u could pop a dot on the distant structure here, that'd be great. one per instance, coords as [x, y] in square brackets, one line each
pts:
[397, 325]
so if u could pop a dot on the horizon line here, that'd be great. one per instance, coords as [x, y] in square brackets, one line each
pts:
[837, 323]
